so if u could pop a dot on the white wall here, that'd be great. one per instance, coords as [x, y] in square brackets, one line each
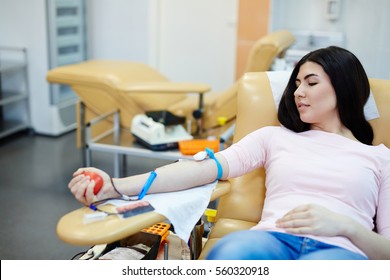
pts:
[23, 24]
[197, 41]
[118, 29]
[365, 24]
[185, 40]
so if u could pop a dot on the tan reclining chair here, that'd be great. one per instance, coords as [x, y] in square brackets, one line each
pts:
[134, 88]
[241, 208]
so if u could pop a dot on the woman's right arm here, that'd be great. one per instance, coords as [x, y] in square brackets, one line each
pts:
[177, 176]
[240, 158]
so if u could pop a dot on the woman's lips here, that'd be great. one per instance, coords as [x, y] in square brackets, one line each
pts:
[301, 104]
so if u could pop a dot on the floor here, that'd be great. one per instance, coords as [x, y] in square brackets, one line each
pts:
[34, 172]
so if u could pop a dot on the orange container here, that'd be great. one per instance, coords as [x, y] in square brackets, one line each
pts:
[161, 229]
[191, 147]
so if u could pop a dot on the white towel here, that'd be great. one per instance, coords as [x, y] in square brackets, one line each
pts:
[183, 208]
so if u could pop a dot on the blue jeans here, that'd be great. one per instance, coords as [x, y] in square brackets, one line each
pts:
[264, 245]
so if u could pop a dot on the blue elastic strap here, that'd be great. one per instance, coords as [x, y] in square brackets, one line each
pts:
[219, 166]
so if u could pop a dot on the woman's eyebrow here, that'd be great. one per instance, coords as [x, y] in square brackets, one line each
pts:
[306, 77]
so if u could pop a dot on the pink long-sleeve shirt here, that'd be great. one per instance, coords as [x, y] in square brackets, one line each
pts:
[317, 167]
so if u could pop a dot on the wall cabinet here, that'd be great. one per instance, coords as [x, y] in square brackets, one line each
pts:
[66, 45]
[14, 93]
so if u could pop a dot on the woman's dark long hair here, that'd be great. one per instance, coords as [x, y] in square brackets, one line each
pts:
[350, 83]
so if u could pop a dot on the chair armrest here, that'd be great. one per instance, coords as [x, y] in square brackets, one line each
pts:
[222, 188]
[72, 229]
[165, 87]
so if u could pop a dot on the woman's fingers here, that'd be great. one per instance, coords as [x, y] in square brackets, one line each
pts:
[81, 187]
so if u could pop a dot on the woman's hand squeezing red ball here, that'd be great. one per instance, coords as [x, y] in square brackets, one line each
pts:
[97, 179]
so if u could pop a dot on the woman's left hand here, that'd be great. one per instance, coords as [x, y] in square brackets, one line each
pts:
[313, 219]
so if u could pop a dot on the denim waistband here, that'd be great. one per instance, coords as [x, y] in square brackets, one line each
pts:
[300, 245]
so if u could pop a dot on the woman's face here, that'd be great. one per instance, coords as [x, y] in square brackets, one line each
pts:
[315, 97]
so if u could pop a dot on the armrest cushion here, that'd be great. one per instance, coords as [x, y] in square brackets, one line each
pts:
[165, 87]
[72, 229]
[222, 188]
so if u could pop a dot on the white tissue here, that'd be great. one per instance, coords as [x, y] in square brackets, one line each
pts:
[183, 208]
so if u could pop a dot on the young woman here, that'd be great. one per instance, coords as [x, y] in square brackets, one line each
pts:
[327, 186]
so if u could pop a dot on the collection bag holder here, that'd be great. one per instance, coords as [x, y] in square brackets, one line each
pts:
[150, 244]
